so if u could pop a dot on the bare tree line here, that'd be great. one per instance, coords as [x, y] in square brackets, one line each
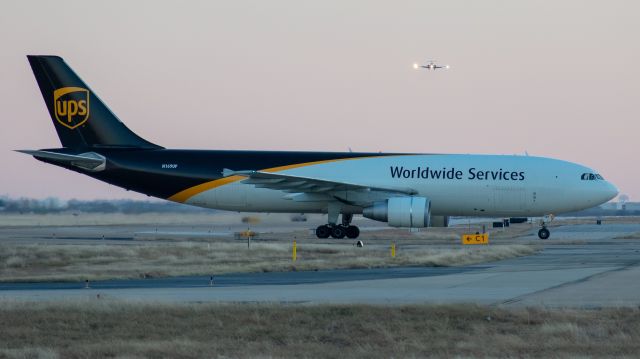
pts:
[56, 205]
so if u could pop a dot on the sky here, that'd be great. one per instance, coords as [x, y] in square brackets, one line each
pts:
[551, 78]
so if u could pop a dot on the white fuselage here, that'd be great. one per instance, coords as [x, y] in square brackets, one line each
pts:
[457, 185]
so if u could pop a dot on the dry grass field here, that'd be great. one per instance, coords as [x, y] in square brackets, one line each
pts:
[113, 329]
[144, 259]
[43, 252]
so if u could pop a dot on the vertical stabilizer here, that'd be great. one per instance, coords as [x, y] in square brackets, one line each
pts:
[79, 116]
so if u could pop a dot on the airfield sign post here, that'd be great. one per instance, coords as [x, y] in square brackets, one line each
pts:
[475, 238]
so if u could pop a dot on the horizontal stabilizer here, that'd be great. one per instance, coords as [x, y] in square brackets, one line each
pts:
[89, 160]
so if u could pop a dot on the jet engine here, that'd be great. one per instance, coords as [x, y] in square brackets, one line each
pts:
[414, 212]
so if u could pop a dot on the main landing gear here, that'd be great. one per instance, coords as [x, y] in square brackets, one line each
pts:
[339, 231]
[544, 233]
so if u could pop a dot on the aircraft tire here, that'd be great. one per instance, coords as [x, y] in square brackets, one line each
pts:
[323, 231]
[338, 232]
[543, 233]
[352, 232]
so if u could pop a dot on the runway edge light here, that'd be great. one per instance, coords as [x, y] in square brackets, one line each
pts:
[294, 253]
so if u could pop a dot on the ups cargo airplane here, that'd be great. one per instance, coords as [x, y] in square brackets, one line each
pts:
[402, 189]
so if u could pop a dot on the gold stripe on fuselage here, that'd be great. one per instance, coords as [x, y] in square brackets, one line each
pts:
[184, 195]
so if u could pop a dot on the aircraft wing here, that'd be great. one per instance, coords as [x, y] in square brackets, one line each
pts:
[298, 184]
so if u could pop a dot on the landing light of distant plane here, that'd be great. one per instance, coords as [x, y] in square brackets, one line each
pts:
[431, 65]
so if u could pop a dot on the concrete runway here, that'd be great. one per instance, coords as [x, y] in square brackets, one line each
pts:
[580, 266]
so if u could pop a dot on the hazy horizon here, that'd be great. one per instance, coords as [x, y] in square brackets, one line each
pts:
[554, 79]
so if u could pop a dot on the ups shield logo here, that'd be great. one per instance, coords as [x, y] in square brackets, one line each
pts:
[71, 106]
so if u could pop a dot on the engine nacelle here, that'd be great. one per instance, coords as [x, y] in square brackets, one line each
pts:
[413, 212]
[439, 221]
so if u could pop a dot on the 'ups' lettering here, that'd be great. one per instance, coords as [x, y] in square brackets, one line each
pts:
[71, 106]
[82, 106]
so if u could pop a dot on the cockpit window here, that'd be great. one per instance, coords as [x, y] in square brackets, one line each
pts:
[591, 177]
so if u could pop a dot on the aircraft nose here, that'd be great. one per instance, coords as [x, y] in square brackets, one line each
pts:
[609, 191]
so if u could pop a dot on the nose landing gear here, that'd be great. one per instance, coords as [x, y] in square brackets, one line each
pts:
[544, 233]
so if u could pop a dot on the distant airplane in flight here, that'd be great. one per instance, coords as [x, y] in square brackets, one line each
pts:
[402, 189]
[431, 65]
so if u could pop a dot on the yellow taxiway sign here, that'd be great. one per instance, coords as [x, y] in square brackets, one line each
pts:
[475, 238]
